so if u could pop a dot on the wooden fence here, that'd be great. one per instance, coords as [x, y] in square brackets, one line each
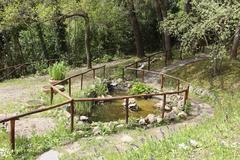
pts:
[71, 101]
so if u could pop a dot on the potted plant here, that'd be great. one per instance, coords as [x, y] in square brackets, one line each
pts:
[57, 72]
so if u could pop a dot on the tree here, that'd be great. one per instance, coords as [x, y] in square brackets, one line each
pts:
[136, 28]
[187, 6]
[84, 15]
[236, 42]
[161, 8]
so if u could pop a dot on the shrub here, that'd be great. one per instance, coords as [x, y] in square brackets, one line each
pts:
[140, 88]
[58, 71]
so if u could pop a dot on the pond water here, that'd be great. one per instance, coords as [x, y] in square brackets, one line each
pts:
[113, 111]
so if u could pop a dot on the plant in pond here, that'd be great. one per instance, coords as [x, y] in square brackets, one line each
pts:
[140, 88]
[99, 88]
[58, 71]
[85, 108]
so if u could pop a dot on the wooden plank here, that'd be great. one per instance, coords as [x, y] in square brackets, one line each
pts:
[125, 97]
[72, 115]
[164, 104]
[12, 133]
[82, 82]
[126, 108]
[34, 112]
[70, 87]
[61, 93]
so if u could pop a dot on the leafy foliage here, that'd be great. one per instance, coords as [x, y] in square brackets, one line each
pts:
[140, 88]
[58, 71]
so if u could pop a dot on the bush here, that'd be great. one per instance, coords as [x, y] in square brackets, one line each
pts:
[58, 71]
[140, 88]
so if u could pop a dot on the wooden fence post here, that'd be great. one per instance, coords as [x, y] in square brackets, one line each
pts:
[143, 74]
[81, 81]
[94, 74]
[72, 115]
[186, 95]
[162, 81]
[136, 72]
[123, 73]
[104, 71]
[149, 63]
[12, 133]
[70, 87]
[164, 104]
[178, 85]
[126, 105]
[51, 97]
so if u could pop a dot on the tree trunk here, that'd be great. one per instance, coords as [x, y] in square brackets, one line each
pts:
[136, 29]
[87, 42]
[187, 6]
[42, 40]
[161, 6]
[1, 49]
[236, 42]
[17, 47]
[60, 29]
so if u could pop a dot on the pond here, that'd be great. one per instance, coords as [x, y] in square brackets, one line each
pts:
[113, 111]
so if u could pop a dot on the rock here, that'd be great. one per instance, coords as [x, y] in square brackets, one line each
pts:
[129, 85]
[170, 115]
[132, 105]
[83, 118]
[159, 119]
[50, 155]
[151, 118]
[120, 126]
[132, 100]
[194, 143]
[182, 115]
[142, 121]
[80, 123]
[159, 105]
[126, 139]
[80, 132]
[114, 83]
[119, 80]
[109, 96]
[168, 108]
[183, 146]
[150, 125]
[180, 104]
[96, 131]
[99, 137]
[175, 109]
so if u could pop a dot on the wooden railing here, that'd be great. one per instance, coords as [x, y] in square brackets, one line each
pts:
[7, 72]
[71, 101]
